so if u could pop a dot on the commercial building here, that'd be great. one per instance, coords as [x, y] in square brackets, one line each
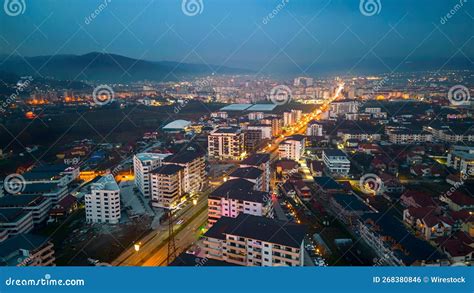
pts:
[255, 241]
[167, 185]
[336, 161]
[226, 143]
[103, 202]
[143, 164]
[14, 221]
[235, 197]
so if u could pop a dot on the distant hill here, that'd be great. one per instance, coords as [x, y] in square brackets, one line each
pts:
[108, 68]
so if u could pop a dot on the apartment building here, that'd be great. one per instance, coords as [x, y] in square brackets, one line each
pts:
[194, 165]
[292, 148]
[143, 164]
[103, 201]
[226, 143]
[409, 137]
[314, 129]
[235, 197]
[462, 158]
[249, 240]
[167, 186]
[251, 174]
[451, 134]
[342, 107]
[14, 221]
[27, 250]
[336, 161]
[262, 162]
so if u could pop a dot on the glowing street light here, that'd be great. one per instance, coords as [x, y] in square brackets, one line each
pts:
[195, 201]
[136, 247]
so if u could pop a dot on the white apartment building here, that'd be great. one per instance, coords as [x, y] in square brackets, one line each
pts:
[256, 115]
[336, 161]
[265, 129]
[292, 148]
[194, 165]
[462, 158]
[288, 119]
[226, 143]
[249, 240]
[143, 164]
[167, 186]
[235, 197]
[314, 129]
[409, 137]
[342, 107]
[221, 114]
[103, 201]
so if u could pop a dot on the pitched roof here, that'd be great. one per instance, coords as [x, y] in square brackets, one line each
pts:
[247, 172]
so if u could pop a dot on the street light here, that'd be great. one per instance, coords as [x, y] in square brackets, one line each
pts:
[195, 201]
[136, 247]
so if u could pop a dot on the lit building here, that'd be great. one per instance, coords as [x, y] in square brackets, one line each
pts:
[292, 148]
[409, 137]
[342, 107]
[235, 197]
[462, 158]
[249, 240]
[167, 185]
[336, 161]
[194, 165]
[314, 129]
[256, 115]
[143, 164]
[226, 143]
[103, 201]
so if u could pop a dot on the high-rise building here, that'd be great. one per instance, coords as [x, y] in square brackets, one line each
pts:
[226, 143]
[143, 164]
[194, 164]
[342, 107]
[167, 186]
[103, 201]
[249, 240]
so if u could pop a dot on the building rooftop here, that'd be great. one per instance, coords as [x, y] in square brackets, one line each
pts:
[177, 124]
[234, 185]
[247, 172]
[334, 153]
[8, 215]
[256, 159]
[350, 202]
[249, 195]
[167, 169]
[327, 183]
[151, 156]
[229, 130]
[106, 182]
[184, 157]
[412, 249]
[28, 242]
[24, 200]
[259, 228]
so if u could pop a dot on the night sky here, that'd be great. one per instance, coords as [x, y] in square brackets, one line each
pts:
[235, 33]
